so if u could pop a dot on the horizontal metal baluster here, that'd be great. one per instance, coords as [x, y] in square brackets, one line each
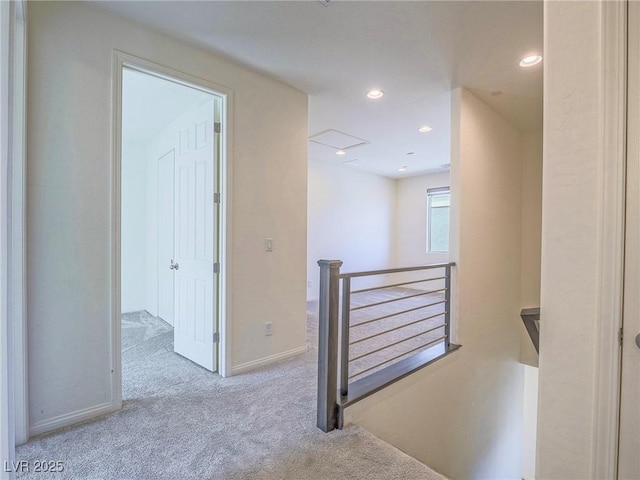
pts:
[401, 326]
[395, 314]
[390, 301]
[388, 346]
[394, 270]
[396, 357]
[395, 285]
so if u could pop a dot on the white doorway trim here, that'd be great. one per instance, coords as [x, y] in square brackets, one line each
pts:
[17, 231]
[7, 440]
[120, 61]
[14, 428]
[611, 244]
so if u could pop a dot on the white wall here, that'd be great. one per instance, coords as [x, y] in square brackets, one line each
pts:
[151, 228]
[411, 234]
[531, 219]
[7, 436]
[530, 415]
[368, 221]
[531, 236]
[134, 227]
[69, 206]
[530, 288]
[572, 194]
[351, 217]
[411, 229]
[463, 415]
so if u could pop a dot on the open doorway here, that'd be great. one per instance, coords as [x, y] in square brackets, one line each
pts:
[170, 245]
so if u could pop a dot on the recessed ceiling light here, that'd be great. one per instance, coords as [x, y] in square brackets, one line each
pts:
[530, 60]
[403, 168]
[375, 94]
[425, 129]
[341, 152]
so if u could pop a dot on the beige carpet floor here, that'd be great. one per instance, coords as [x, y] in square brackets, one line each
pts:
[182, 422]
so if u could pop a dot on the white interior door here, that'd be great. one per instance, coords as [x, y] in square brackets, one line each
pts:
[166, 171]
[195, 239]
[629, 440]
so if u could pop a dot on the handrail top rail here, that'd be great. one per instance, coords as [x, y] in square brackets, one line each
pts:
[396, 270]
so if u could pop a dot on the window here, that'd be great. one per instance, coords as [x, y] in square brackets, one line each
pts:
[438, 201]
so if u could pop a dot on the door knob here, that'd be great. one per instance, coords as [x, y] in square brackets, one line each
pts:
[174, 266]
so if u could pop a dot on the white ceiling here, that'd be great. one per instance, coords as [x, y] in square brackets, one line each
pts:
[149, 104]
[415, 51]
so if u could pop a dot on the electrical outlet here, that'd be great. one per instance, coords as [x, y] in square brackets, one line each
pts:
[268, 329]
[268, 244]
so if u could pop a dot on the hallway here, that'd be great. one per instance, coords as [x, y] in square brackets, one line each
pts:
[181, 421]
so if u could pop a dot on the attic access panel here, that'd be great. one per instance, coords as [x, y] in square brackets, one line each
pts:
[336, 139]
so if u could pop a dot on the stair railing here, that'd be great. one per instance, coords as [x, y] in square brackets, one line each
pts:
[424, 331]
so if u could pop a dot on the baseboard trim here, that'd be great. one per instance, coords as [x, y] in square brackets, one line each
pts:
[252, 365]
[68, 419]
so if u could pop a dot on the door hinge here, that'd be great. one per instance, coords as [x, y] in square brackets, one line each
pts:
[216, 337]
[216, 197]
[216, 267]
[620, 336]
[217, 128]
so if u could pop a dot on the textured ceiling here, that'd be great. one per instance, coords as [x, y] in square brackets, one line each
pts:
[415, 51]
